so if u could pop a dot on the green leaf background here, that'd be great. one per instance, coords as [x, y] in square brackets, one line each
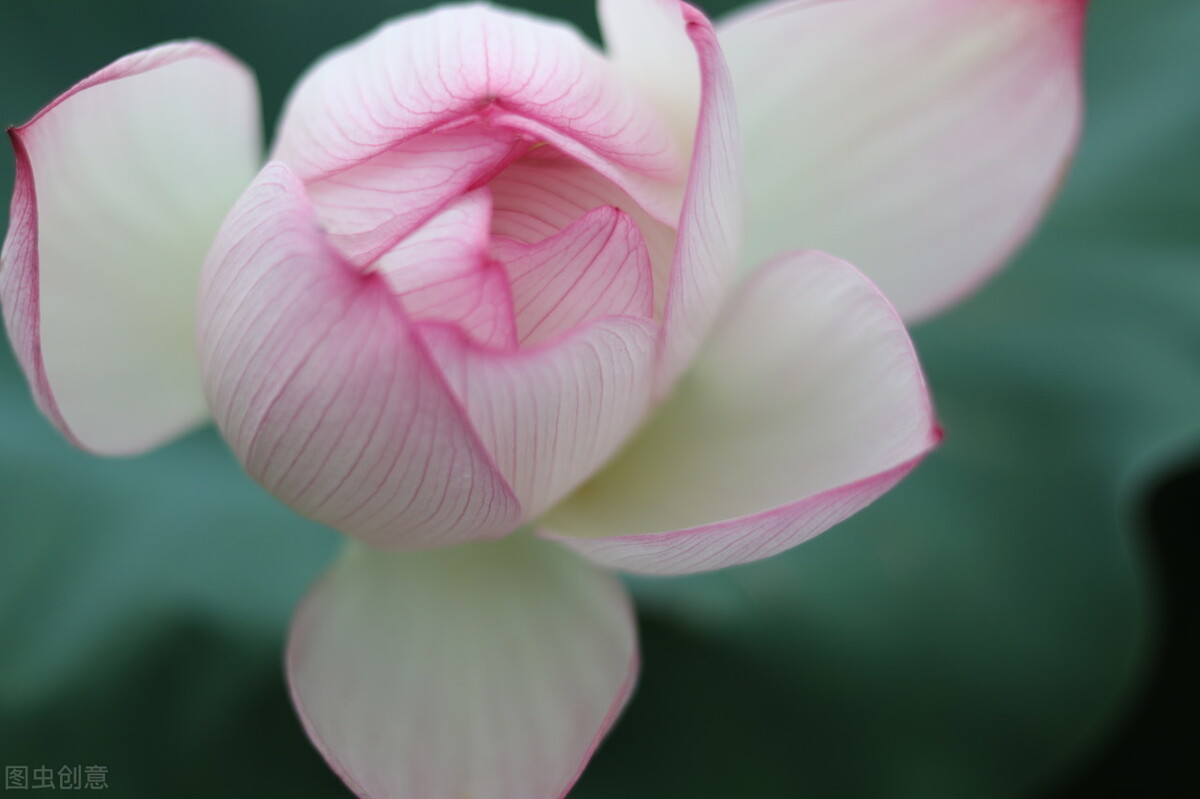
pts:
[976, 633]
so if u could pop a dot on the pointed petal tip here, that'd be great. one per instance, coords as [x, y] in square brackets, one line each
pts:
[705, 262]
[146, 60]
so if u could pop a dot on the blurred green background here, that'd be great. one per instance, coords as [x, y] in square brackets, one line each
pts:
[989, 629]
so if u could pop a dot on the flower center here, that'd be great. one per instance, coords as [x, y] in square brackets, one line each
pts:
[507, 238]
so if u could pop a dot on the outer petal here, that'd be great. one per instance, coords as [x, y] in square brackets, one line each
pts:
[807, 404]
[480, 64]
[325, 393]
[490, 671]
[920, 139]
[121, 183]
[550, 415]
[706, 250]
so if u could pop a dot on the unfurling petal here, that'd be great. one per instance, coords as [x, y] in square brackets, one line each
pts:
[919, 139]
[325, 392]
[480, 64]
[490, 670]
[710, 225]
[806, 405]
[121, 184]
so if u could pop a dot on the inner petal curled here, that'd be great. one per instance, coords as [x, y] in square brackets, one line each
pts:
[535, 283]
[509, 239]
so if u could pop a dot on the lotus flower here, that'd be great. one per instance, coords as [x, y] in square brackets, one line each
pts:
[488, 310]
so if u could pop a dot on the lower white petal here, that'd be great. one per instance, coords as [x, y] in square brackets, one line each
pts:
[489, 670]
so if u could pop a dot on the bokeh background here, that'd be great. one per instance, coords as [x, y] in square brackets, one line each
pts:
[1018, 619]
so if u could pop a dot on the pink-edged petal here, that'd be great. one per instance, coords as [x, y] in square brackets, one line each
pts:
[646, 42]
[485, 65]
[324, 391]
[545, 192]
[598, 266]
[551, 415]
[709, 233]
[369, 208]
[490, 670]
[920, 139]
[806, 405]
[121, 184]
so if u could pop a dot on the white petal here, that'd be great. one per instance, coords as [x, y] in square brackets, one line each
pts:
[919, 139]
[807, 404]
[121, 184]
[646, 42]
[487, 670]
[710, 226]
